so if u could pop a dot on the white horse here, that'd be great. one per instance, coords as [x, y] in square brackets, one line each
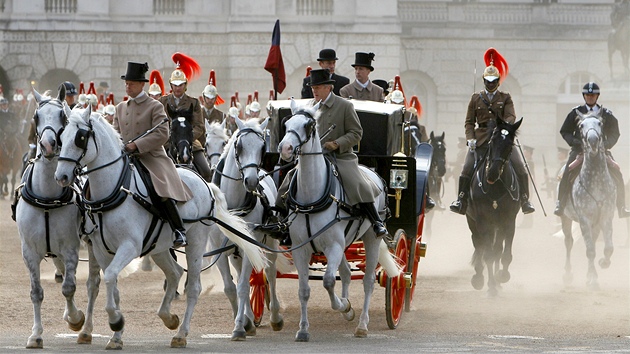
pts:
[329, 226]
[592, 200]
[216, 139]
[125, 227]
[249, 189]
[47, 217]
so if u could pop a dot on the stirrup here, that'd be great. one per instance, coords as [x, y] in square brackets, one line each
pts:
[527, 208]
[180, 239]
[458, 207]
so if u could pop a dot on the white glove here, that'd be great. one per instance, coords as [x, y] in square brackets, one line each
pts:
[472, 144]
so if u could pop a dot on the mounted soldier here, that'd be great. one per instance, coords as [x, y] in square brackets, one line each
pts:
[570, 132]
[483, 109]
[178, 100]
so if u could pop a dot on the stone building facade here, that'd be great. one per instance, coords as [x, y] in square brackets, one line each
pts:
[552, 46]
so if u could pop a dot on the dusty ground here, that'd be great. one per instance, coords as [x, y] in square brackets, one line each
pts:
[535, 304]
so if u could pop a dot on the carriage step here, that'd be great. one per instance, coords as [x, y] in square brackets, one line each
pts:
[423, 249]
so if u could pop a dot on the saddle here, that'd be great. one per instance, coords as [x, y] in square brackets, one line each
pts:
[576, 165]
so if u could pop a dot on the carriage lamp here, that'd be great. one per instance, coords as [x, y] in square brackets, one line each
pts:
[398, 182]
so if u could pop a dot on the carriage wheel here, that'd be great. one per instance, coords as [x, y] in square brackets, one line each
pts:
[258, 295]
[414, 259]
[395, 287]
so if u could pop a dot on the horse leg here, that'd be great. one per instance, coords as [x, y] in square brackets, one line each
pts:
[345, 273]
[371, 244]
[60, 268]
[72, 315]
[93, 283]
[243, 324]
[229, 288]
[33, 261]
[334, 255]
[608, 244]
[568, 245]
[276, 320]
[589, 242]
[172, 273]
[477, 257]
[301, 258]
[490, 257]
[503, 275]
[193, 286]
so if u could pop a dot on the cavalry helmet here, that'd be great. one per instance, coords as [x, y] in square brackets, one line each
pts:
[590, 87]
[397, 97]
[254, 106]
[491, 73]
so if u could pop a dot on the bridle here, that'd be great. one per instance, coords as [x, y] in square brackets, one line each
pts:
[310, 129]
[237, 148]
[64, 122]
[502, 159]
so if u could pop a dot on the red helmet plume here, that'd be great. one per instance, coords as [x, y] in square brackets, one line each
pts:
[493, 58]
[110, 98]
[212, 80]
[187, 65]
[398, 86]
[415, 103]
[308, 71]
[92, 90]
[157, 83]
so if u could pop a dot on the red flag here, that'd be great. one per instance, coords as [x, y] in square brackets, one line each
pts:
[274, 63]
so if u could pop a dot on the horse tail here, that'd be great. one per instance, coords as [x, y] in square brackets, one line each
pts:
[387, 261]
[283, 264]
[253, 252]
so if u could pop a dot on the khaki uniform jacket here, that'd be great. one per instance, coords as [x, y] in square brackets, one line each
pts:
[215, 116]
[336, 110]
[199, 129]
[135, 117]
[370, 93]
[479, 113]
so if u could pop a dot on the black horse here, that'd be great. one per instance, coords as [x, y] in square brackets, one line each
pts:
[181, 138]
[438, 168]
[494, 203]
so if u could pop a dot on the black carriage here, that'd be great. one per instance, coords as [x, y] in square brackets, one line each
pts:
[382, 149]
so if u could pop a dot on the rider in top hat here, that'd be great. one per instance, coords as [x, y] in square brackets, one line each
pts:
[187, 68]
[133, 118]
[483, 110]
[327, 60]
[570, 132]
[362, 88]
[360, 190]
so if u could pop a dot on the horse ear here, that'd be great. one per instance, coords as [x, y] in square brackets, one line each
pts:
[206, 124]
[38, 97]
[443, 135]
[239, 123]
[294, 107]
[223, 124]
[431, 135]
[518, 124]
[61, 95]
[263, 125]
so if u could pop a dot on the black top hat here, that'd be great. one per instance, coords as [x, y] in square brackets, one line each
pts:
[136, 72]
[327, 54]
[320, 77]
[382, 84]
[364, 59]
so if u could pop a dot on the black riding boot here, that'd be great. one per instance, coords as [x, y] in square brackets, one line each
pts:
[526, 205]
[562, 193]
[370, 211]
[461, 204]
[176, 223]
[621, 195]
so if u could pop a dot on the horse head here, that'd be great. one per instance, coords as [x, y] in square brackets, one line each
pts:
[75, 146]
[50, 119]
[249, 148]
[216, 139]
[301, 128]
[590, 126]
[181, 134]
[438, 160]
[500, 148]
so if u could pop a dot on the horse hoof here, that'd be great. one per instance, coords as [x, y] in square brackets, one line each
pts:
[118, 326]
[250, 328]
[493, 292]
[604, 263]
[477, 281]
[35, 343]
[77, 326]
[114, 344]
[502, 276]
[277, 326]
[302, 337]
[84, 338]
[173, 323]
[177, 342]
[349, 315]
[360, 333]
[58, 278]
[238, 336]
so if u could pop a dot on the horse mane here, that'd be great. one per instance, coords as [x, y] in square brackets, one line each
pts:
[217, 130]
[252, 124]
